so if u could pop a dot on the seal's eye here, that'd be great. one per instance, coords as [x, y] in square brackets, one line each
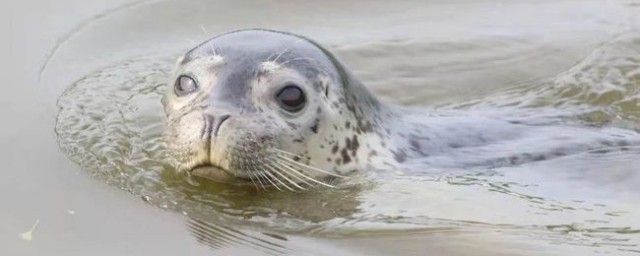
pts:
[291, 98]
[185, 85]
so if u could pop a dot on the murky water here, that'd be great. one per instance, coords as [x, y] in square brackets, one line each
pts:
[571, 65]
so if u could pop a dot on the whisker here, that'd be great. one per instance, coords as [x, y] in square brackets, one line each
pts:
[270, 180]
[253, 182]
[269, 57]
[204, 30]
[279, 55]
[206, 33]
[264, 174]
[287, 49]
[249, 172]
[285, 177]
[294, 59]
[291, 172]
[302, 174]
[311, 167]
[213, 49]
[305, 165]
[276, 178]
[285, 152]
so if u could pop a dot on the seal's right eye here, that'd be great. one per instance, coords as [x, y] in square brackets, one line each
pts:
[291, 98]
[185, 85]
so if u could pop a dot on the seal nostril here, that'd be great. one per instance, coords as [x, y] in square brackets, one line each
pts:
[208, 124]
[221, 120]
[212, 124]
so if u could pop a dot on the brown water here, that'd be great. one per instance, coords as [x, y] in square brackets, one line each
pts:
[98, 86]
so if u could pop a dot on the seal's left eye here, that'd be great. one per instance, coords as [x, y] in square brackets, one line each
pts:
[291, 98]
[185, 85]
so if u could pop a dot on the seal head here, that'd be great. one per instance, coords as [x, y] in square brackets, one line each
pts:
[267, 107]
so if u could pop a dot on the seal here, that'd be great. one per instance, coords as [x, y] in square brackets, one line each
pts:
[271, 108]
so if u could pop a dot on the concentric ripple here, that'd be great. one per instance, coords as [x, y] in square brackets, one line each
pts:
[110, 123]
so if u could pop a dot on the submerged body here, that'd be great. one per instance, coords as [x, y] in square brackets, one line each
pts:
[279, 110]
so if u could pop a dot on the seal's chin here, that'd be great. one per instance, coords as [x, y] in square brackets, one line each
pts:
[218, 174]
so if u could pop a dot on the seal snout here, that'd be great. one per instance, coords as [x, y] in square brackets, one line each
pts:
[212, 124]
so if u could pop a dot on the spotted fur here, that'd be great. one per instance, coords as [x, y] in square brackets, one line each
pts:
[343, 127]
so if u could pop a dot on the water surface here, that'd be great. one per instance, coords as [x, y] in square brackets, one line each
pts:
[562, 62]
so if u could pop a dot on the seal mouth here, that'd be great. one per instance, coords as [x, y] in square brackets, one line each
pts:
[218, 174]
[281, 171]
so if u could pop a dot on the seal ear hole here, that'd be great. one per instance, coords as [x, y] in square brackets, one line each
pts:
[291, 98]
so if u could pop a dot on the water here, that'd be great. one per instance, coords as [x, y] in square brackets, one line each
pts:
[569, 63]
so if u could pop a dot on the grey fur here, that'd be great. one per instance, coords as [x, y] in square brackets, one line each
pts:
[343, 128]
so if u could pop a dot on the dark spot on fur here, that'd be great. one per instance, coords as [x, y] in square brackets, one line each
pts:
[366, 127]
[347, 125]
[388, 164]
[513, 160]
[292, 125]
[345, 156]
[400, 155]
[539, 158]
[623, 143]
[607, 143]
[558, 153]
[334, 149]
[355, 143]
[454, 145]
[314, 128]
[601, 151]
[415, 147]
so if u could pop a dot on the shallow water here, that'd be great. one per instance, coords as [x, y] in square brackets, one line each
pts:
[566, 64]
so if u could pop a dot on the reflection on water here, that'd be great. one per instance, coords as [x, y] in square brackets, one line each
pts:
[216, 237]
[110, 123]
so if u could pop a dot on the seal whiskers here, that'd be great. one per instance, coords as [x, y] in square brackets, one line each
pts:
[285, 170]
[300, 173]
[286, 178]
[282, 155]
[249, 172]
[284, 51]
[277, 181]
[271, 177]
